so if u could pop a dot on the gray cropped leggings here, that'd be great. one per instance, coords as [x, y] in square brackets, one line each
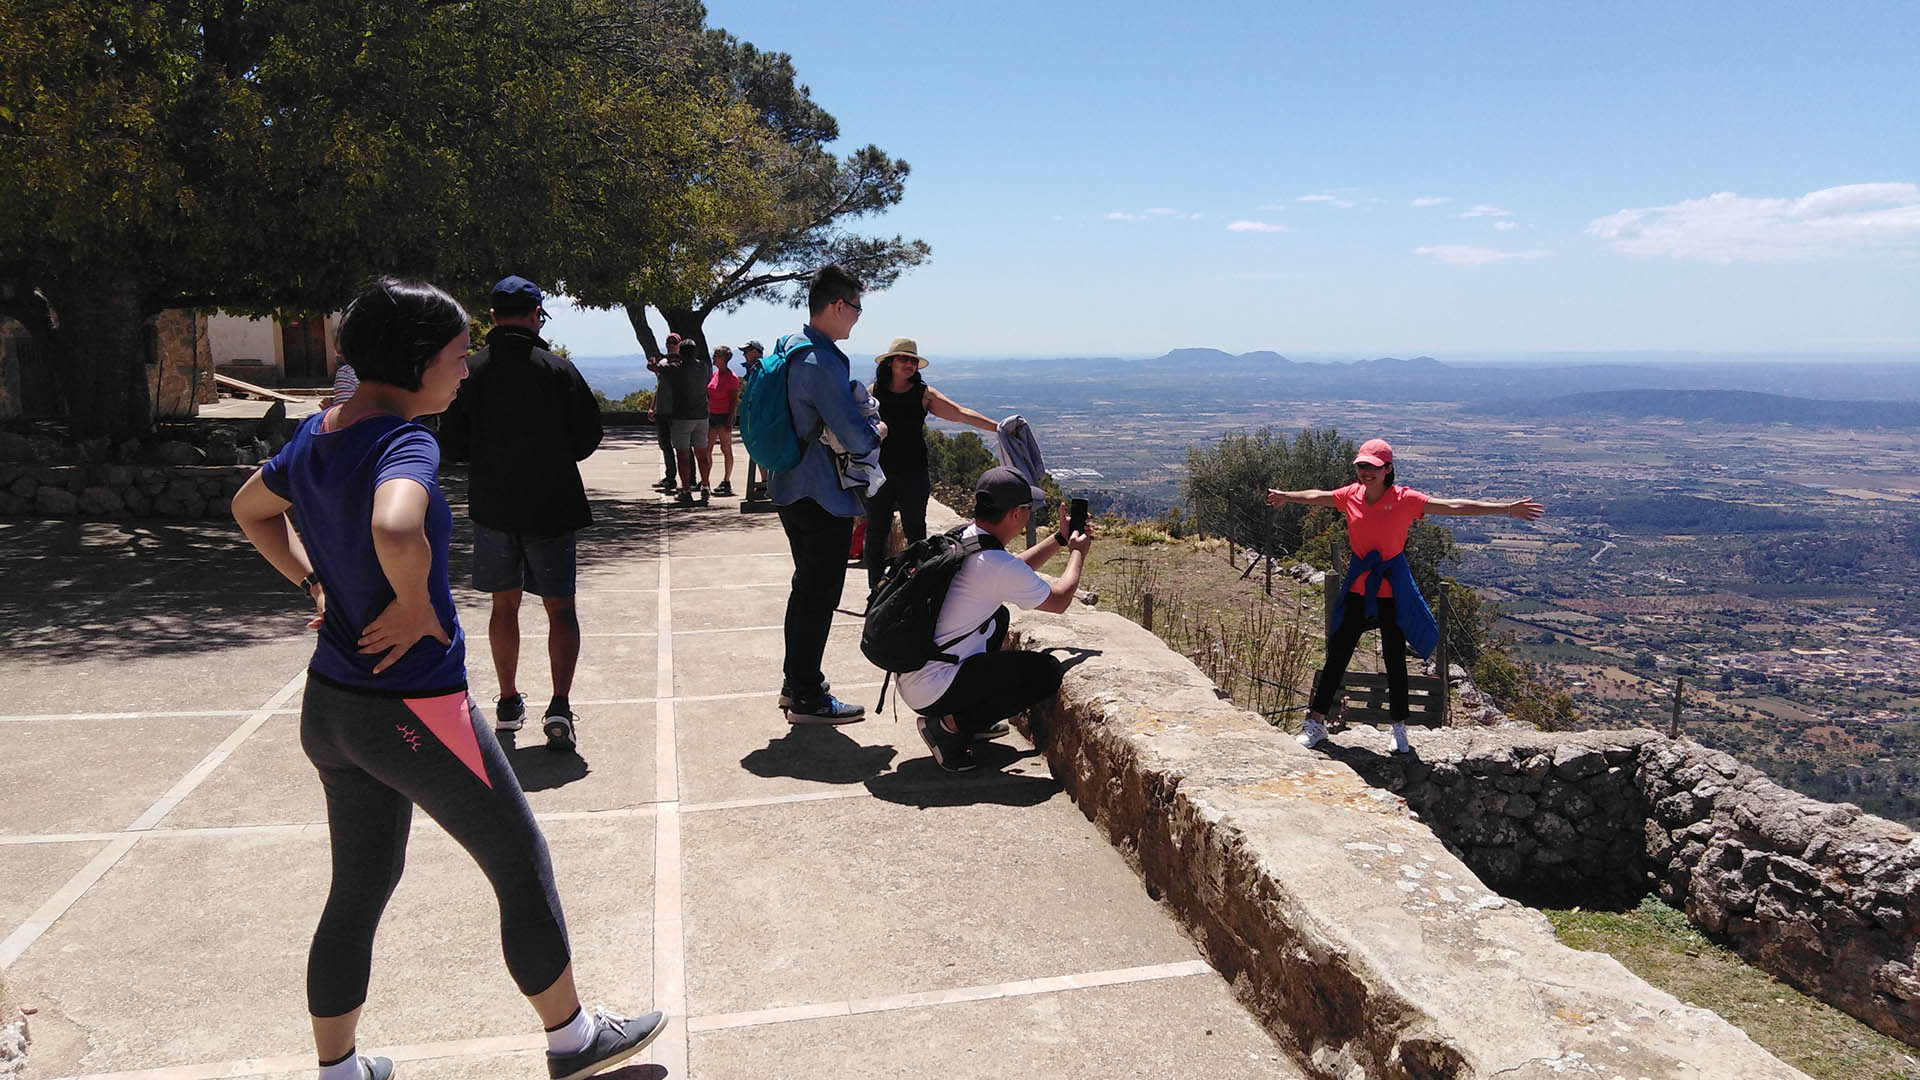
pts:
[379, 757]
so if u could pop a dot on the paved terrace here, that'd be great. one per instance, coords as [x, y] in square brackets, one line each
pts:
[803, 903]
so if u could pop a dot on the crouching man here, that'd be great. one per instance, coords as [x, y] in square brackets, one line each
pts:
[972, 697]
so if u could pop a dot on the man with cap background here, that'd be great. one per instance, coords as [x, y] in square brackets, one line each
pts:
[524, 417]
[958, 702]
[756, 489]
[662, 426]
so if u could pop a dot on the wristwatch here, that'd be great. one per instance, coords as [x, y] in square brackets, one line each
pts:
[307, 583]
[1061, 537]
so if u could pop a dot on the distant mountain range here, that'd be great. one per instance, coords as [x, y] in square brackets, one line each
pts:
[1728, 406]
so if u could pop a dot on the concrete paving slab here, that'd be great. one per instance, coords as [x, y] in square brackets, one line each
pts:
[215, 678]
[826, 901]
[754, 661]
[633, 607]
[745, 749]
[610, 667]
[34, 872]
[774, 568]
[93, 776]
[267, 780]
[708, 608]
[242, 914]
[613, 770]
[1188, 1027]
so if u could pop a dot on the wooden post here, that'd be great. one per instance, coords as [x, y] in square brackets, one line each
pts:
[1146, 610]
[1673, 725]
[1269, 551]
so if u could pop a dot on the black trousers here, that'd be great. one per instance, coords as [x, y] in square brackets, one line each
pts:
[1340, 645]
[664, 436]
[378, 758]
[819, 542]
[907, 493]
[997, 684]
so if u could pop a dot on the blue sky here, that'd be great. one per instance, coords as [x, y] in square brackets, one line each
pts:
[1372, 179]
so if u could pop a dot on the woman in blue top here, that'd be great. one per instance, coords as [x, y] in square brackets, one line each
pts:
[386, 718]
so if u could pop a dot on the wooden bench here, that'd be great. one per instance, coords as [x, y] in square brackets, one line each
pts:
[1363, 694]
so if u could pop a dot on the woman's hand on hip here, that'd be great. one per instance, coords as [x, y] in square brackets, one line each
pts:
[398, 627]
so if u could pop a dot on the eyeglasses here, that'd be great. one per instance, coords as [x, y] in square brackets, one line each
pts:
[1364, 465]
[856, 307]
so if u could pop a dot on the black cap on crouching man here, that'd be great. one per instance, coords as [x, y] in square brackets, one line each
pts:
[1001, 489]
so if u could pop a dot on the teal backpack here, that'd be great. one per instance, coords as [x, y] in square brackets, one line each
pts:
[766, 419]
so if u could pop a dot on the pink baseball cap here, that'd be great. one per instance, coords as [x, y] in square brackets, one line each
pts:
[1374, 452]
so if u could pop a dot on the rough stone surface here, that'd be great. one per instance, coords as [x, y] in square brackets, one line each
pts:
[13, 1035]
[103, 491]
[1365, 945]
[1822, 896]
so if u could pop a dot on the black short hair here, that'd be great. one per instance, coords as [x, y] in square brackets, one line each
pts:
[988, 514]
[395, 328]
[831, 284]
[1389, 475]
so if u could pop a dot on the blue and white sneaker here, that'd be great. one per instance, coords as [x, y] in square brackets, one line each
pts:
[827, 710]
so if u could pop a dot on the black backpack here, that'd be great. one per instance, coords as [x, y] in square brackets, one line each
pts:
[905, 608]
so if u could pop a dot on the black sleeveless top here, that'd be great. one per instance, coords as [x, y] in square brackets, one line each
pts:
[905, 448]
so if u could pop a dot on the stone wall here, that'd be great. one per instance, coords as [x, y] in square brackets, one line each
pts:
[191, 475]
[1364, 944]
[1822, 896]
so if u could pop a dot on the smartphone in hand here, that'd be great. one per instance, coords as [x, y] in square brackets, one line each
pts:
[1076, 516]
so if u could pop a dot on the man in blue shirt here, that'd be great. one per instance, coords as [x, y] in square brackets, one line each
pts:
[815, 510]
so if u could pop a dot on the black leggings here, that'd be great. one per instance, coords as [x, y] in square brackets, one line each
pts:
[996, 684]
[907, 493]
[378, 757]
[1340, 644]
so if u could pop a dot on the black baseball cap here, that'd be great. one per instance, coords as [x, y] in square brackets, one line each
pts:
[1003, 488]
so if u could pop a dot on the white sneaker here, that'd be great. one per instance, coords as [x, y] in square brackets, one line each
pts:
[1400, 744]
[1314, 735]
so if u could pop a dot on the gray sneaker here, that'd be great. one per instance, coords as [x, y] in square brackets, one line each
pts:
[560, 734]
[509, 714]
[615, 1039]
[998, 729]
[827, 710]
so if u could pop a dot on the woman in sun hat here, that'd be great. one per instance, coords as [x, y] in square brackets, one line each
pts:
[905, 400]
[1379, 514]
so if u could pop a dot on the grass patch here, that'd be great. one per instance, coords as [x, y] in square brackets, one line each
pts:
[1657, 943]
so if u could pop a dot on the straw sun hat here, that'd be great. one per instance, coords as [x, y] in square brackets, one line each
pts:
[902, 346]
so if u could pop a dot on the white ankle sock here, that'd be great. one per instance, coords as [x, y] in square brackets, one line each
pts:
[349, 1069]
[572, 1036]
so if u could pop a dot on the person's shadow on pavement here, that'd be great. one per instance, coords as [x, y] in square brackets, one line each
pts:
[821, 753]
[540, 769]
[918, 782]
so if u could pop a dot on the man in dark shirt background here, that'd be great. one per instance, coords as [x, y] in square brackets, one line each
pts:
[523, 418]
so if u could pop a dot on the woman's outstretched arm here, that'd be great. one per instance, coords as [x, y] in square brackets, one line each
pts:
[945, 408]
[1524, 509]
[1309, 497]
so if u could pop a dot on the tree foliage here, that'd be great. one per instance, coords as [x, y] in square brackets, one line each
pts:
[763, 241]
[272, 156]
[1227, 481]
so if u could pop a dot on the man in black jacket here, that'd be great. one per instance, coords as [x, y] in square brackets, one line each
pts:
[524, 417]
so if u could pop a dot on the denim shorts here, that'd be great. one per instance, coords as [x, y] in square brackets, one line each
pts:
[689, 434]
[542, 565]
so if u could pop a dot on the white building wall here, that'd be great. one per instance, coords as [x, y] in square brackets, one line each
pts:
[231, 337]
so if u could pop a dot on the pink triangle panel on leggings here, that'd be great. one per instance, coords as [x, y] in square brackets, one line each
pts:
[446, 716]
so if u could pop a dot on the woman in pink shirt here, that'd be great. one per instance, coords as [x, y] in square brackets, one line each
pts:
[1379, 514]
[723, 397]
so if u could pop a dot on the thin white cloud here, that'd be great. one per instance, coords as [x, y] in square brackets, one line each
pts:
[1851, 221]
[1468, 255]
[1153, 213]
[1483, 210]
[1255, 226]
[1334, 201]
[1431, 200]
[1506, 226]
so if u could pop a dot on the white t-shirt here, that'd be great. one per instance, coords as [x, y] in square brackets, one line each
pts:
[985, 581]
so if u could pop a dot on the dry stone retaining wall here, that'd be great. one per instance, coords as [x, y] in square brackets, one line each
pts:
[171, 478]
[1823, 896]
[1365, 945]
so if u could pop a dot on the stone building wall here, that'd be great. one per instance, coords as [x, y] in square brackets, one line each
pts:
[1823, 896]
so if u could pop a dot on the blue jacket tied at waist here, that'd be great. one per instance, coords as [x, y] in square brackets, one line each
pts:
[1409, 607]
